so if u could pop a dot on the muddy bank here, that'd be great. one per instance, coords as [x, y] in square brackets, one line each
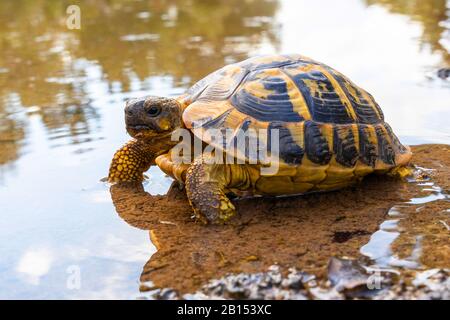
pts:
[302, 232]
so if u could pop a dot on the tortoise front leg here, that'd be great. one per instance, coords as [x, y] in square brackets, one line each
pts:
[130, 162]
[169, 167]
[205, 188]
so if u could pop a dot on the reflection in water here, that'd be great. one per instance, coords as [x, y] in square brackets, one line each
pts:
[185, 40]
[34, 264]
[296, 231]
[412, 237]
[61, 100]
[415, 234]
[11, 133]
[42, 77]
[44, 67]
[434, 17]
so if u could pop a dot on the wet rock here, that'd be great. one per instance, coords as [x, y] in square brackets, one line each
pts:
[350, 278]
[432, 284]
[264, 285]
[321, 293]
[346, 274]
[269, 285]
[162, 294]
[293, 281]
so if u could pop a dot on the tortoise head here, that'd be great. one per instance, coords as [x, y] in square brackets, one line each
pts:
[151, 117]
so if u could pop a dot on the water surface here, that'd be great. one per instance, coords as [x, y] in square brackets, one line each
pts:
[62, 94]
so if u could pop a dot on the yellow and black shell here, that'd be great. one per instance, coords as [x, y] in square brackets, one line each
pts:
[323, 118]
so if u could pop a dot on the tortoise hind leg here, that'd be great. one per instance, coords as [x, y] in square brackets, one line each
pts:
[401, 172]
[404, 168]
[206, 185]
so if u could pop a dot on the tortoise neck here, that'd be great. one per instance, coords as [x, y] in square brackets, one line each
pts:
[156, 145]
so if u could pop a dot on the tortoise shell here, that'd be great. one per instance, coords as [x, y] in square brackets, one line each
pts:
[320, 114]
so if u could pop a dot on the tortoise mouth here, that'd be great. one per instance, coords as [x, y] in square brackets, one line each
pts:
[139, 130]
[138, 127]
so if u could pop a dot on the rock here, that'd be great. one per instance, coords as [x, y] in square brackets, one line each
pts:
[264, 285]
[350, 278]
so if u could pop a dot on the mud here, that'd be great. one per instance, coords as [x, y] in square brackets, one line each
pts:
[302, 232]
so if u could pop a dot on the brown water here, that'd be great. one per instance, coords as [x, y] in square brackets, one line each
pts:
[62, 94]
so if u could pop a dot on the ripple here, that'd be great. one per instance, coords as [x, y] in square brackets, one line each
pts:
[140, 37]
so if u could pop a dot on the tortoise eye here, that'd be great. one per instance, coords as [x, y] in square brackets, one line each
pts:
[153, 111]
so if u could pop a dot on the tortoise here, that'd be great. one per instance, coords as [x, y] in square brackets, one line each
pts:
[331, 133]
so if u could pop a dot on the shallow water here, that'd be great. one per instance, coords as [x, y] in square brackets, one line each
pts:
[379, 248]
[62, 94]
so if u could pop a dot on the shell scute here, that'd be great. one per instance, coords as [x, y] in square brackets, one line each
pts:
[368, 146]
[324, 102]
[363, 104]
[266, 97]
[289, 150]
[386, 151]
[344, 146]
[316, 145]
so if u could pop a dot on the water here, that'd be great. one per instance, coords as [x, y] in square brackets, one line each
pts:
[398, 227]
[62, 93]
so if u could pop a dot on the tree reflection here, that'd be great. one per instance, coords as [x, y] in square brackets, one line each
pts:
[44, 64]
[183, 39]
